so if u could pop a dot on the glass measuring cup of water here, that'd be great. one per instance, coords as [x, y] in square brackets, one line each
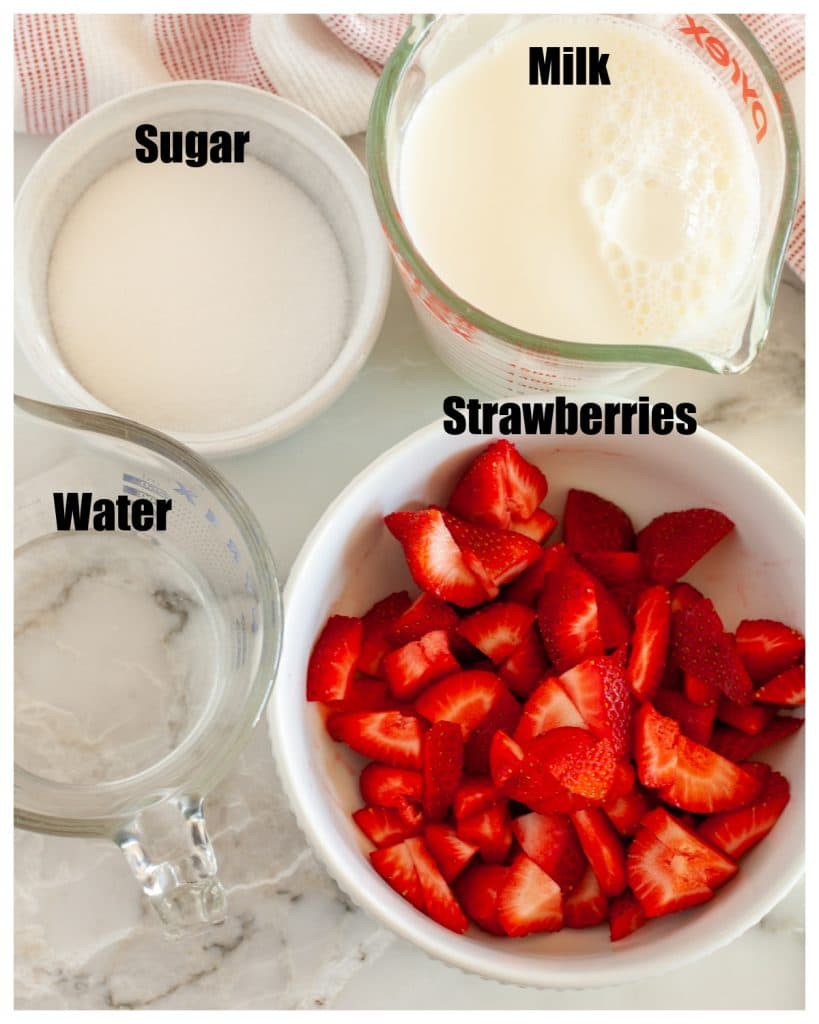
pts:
[142, 659]
[500, 359]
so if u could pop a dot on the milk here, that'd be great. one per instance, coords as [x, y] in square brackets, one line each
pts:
[197, 299]
[623, 214]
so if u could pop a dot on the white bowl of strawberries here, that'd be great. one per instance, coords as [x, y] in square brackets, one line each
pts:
[538, 706]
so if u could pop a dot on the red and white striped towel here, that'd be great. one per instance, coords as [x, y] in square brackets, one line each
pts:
[68, 63]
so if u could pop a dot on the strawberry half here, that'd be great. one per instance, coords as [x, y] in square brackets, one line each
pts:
[655, 747]
[591, 523]
[443, 759]
[496, 556]
[390, 737]
[497, 630]
[586, 906]
[568, 615]
[478, 889]
[425, 614]
[490, 830]
[465, 698]
[738, 746]
[701, 647]
[735, 832]
[498, 485]
[411, 667]
[705, 782]
[384, 826]
[603, 849]
[659, 877]
[439, 902]
[625, 916]
[383, 786]
[451, 853]
[434, 559]
[672, 543]
[767, 648]
[583, 765]
[529, 901]
[549, 707]
[551, 842]
[787, 689]
[649, 644]
[525, 666]
[333, 659]
[377, 625]
[703, 862]
[397, 868]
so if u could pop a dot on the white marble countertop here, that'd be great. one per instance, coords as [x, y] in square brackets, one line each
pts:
[84, 938]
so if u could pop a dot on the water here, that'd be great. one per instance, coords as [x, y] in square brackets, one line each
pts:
[116, 656]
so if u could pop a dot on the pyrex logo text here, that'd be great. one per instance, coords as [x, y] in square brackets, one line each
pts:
[720, 53]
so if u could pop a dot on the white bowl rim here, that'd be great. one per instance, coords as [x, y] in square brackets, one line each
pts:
[390, 909]
[364, 331]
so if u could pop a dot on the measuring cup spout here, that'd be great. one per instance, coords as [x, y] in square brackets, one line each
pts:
[184, 891]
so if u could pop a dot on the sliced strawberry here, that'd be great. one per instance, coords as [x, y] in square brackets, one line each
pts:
[705, 782]
[530, 900]
[672, 543]
[614, 568]
[377, 624]
[434, 559]
[591, 523]
[660, 879]
[603, 849]
[439, 902]
[612, 621]
[384, 826]
[390, 737]
[537, 527]
[738, 746]
[493, 554]
[626, 812]
[624, 780]
[787, 689]
[409, 668]
[333, 659]
[526, 776]
[478, 889]
[498, 485]
[504, 715]
[497, 630]
[700, 646]
[700, 691]
[683, 595]
[490, 830]
[751, 718]
[655, 747]
[583, 765]
[526, 588]
[625, 916]
[443, 760]
[627, 596]
[598, 690]
[474, 796]
[364, 694]
[767, 648]
[702, 860]
[586, 906]
[696, 721]
[567, 615]
[649, 650]
[465, 698]
[525, 666]
[551, 842]
[505, 760]
[397, 868]
[425, 614]
[549, 707]
[383, 786]
[735, 832]
[451, 853]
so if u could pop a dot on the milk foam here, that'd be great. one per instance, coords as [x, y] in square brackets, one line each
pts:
[622, 213]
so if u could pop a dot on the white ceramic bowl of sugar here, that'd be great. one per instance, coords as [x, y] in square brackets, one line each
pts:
[284, 136]
[350, 560]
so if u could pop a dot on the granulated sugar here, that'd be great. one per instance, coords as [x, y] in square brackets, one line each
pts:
[197, 299]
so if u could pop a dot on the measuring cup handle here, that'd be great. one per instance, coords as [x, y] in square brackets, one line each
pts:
[185, 892]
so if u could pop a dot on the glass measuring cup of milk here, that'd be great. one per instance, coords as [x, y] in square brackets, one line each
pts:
[142, 659]
[501, 358]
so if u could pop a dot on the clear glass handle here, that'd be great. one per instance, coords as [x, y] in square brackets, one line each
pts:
[181, 882]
